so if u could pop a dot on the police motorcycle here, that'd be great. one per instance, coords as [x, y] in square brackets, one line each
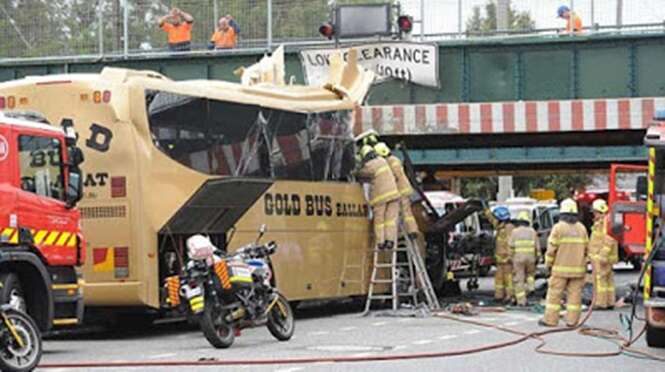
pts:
[21, 346]
[229, 292]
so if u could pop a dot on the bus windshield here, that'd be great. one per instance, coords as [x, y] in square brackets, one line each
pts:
[232, 139]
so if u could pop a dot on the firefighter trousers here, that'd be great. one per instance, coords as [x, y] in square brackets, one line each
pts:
[604, 286]
[523, 268]
[385, 221]
[407, 215]
[503, 281]
[556, 287]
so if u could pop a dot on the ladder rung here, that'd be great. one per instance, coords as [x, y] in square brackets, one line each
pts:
[380, 297]
[381, 281]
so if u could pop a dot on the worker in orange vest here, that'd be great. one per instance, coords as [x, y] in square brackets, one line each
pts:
[178, 26]
[573, 21]
[225, 36]
[603, 253]
[566, 259]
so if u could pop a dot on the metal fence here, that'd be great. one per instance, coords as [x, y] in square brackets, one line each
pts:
[57, 28]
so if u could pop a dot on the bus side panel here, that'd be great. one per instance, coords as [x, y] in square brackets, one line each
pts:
[322, 230]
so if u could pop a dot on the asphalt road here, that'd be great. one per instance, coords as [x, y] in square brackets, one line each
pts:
[338, 330]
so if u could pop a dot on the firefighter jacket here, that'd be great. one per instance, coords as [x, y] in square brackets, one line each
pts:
[603, 249]
[403, 183]
[383, 187]
[524, 243]
[503, 232]
[567, 250]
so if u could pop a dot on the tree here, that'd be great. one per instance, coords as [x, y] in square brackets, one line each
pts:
[562, 184]
[479, 22]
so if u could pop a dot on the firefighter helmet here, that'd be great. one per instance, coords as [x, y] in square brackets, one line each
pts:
[501, 213]
[569, 206]
[524, 216]
[382, 149]
[366, 150]
[368, 137]
[599, 205]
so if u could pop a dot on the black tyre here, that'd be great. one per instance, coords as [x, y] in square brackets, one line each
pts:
[281, 323]
[637, 263]
[216, 330]
[483, 271]
[15, 357]
[12, 292]
[655, 337]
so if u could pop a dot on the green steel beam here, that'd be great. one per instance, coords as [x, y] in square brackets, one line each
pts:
[528, 155]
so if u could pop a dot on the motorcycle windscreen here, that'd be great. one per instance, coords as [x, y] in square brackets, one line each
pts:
[216, 206]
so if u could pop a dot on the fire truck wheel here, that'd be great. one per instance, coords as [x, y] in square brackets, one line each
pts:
[655, 337]
[12, 292]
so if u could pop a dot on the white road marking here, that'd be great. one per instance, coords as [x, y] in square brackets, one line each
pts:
[348, 329]
[291, 369]
[379, 323]
[448, 337]
[164, 355]
[318, 333]
[472, 332]
[400, 347]
[422, 342]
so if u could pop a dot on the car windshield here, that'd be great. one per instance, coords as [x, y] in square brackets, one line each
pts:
[231, 139]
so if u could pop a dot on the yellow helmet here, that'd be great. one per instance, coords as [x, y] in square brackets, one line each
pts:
[568, 206]
[368, 137]
[365, 150]
[382, 149]
[599, 205]
[524, 216]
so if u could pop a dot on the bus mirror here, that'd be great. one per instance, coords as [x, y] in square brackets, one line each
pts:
[262, 229]
[74, 188]
[641, 187]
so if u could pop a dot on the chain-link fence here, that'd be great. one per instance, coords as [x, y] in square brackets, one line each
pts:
[55, 28]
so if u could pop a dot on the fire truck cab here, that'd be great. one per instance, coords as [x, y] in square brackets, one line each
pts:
[40, 234]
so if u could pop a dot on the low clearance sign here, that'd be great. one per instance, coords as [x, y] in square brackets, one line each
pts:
[412, 62]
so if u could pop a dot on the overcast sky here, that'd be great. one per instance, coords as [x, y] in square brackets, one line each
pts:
[441, 15]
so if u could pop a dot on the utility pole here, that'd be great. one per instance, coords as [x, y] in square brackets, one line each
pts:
[619, 13]
[502, 13]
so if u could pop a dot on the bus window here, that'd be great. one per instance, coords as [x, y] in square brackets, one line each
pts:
[231, 139]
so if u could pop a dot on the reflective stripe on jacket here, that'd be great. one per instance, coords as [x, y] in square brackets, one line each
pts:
[502, 250]
[524, 242]
[403, 184]
[567, 250]
[603, 249]
[383, 187]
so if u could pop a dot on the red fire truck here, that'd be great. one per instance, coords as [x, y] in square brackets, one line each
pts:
[40, 235]
[627, 211]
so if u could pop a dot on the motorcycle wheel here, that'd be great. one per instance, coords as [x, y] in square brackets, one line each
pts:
[281, 323]
[16, 358]
[218, 333]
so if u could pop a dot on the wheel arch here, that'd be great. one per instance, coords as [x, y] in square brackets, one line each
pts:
[32, 274]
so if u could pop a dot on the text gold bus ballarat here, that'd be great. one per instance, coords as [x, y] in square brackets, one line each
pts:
[166, 159]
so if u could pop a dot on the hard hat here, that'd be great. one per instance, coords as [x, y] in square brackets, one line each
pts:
[599, 205]
[382, 149]
[368, 137]
[501, 213]
[562, 9]
[365, 150]
[524, 216]
[568, 206]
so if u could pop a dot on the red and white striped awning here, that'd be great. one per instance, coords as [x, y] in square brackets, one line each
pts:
[510, 117]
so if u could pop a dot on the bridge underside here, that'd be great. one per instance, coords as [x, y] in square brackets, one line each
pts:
[515, 153]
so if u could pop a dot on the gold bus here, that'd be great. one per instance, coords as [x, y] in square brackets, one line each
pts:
[167, 159]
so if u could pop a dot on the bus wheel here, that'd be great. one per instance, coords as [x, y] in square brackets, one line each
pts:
[12, 292]
[655, 336]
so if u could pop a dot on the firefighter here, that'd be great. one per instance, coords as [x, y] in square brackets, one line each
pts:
[403, 186]
[503, 277]
[603, 253]
[384, 197]
[524, 247]
[565, 260]
[368, 137]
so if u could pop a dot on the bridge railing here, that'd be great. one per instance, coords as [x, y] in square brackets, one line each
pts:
[64, 28]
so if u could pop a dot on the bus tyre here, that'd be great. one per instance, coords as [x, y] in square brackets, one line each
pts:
[14, 356]
[655, 336]
[280, 320]
[216, 330]
[12, 292]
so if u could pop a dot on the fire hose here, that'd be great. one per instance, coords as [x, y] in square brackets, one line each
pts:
[624, 345]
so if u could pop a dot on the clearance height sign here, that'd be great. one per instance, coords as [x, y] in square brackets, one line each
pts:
[413, 62]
